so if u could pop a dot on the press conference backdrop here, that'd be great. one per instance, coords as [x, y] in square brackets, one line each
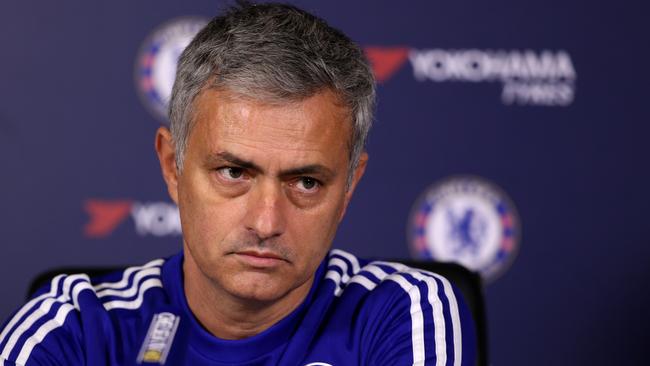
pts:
[510, 136]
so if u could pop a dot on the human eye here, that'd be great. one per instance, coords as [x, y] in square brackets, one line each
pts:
[231, 174]
[307, 185]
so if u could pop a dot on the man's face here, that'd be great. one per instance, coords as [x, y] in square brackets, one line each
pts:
[263, 190]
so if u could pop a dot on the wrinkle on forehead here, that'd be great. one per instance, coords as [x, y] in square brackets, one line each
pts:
[315, 123]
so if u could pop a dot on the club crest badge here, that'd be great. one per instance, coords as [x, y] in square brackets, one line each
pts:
[155, 67]
[466, 220]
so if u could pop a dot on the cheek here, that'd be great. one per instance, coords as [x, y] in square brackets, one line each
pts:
[206, 220]
[314, 231]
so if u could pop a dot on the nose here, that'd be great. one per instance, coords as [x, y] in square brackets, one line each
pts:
[265, 212]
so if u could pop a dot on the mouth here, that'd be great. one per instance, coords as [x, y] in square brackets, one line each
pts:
[259, 259]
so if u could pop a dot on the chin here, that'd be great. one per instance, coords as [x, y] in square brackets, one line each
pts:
[255, 286]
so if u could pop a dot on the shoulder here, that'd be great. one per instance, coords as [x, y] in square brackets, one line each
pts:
[127, 289]
[55, 323]
[407, 310]
[349, 273]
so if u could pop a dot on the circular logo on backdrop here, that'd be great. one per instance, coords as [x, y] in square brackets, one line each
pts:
[155, 68]
[466, 220]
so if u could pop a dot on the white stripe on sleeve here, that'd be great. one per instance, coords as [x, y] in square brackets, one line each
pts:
[70, 284]
[42, 332]
[453, 305]
[417, 321]
[73, 286]
[131, 291]
[127, 273]
[438, 317]
[353, 260]
[363, 281]
[134, 304]
[54, 284]
[335, 276]
[42, 311]
[455, 317]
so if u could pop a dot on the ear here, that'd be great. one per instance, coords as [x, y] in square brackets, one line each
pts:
[356, 177]
[167, 157]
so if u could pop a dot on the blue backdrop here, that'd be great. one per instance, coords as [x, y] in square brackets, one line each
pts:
[545, 99]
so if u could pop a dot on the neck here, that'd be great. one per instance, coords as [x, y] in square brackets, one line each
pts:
[230, 317]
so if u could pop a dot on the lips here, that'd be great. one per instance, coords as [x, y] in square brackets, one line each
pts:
[258, 259]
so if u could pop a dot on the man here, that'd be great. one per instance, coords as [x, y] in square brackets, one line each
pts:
[269, 114]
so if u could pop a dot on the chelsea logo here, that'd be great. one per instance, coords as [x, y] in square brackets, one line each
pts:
[155, 68]
[467, 220]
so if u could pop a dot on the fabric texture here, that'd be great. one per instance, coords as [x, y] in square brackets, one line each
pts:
[356, 313]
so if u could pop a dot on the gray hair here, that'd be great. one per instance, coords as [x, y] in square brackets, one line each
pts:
[276, 53]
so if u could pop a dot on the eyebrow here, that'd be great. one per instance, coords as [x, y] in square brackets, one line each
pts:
[225, 156]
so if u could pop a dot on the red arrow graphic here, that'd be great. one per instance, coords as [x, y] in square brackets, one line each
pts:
[385, 61]
[105, 216]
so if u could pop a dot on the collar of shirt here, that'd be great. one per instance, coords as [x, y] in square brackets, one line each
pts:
[232, 351]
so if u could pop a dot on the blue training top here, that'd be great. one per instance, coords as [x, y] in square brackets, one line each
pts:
[356, 313]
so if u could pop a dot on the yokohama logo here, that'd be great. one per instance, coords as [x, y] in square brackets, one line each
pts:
[528, 77]
[151, 218]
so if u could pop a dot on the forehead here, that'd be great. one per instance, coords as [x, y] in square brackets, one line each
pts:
[316, 127]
